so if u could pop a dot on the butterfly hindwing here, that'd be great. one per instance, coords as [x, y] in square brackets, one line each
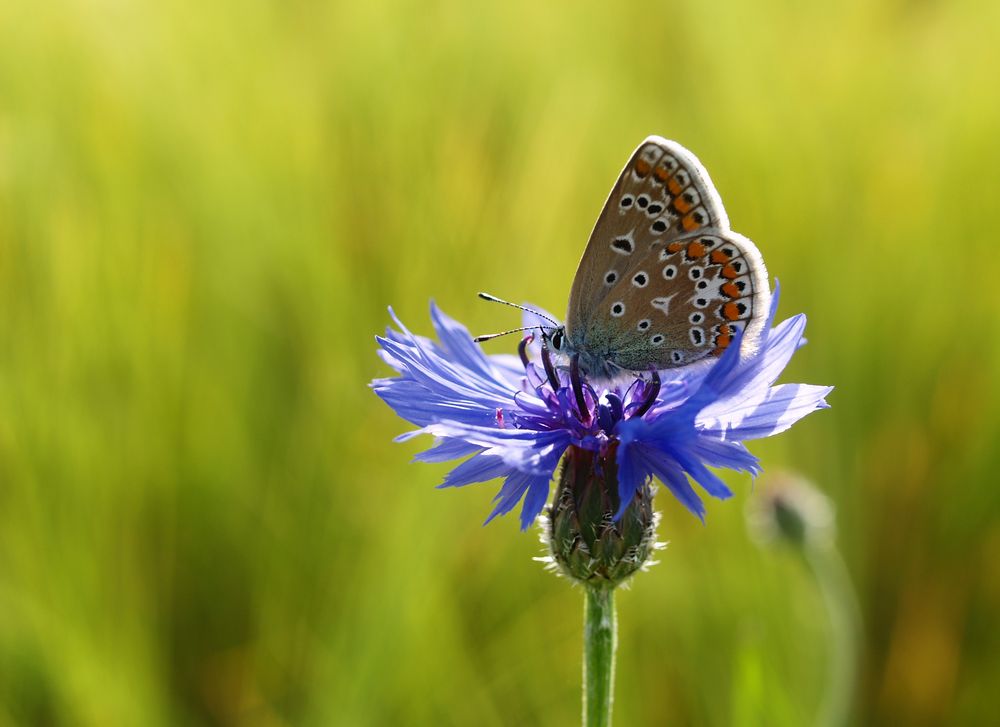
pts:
[663, 281]
[703, 288]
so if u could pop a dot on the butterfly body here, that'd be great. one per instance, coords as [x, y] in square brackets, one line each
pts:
[663, 281]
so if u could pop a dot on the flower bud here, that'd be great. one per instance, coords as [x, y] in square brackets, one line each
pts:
[586, 543]
[790, 509]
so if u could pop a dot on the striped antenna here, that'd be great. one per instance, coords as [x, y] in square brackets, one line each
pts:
[491, 336]
[494, 299]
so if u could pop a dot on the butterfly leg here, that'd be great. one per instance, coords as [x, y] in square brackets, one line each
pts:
[581, 401]
[550, 370]
[651, 394]
[522, 349]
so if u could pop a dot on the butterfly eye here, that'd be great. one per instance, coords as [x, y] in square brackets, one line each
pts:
[618, 309]
[558, 340]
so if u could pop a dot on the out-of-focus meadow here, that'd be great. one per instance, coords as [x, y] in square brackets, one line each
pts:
[205, 209]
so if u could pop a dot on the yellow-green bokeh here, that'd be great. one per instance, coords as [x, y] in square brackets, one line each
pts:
[205, 209]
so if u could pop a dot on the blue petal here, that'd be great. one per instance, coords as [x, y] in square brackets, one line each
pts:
[778, 408]
[510, 367]
[514, 488]
[775, 297]
[418, 405]
[724, 453]
[459, 346]
[782, 342]
[434, 359]
[456, 382]
[480, 468]
[437, 374]
[528, 451]
[669, 472]
[447, 449]
[631, 475]
[702, 475]
[715, 381]
[534, 500]
[510, 494]
[767, 364]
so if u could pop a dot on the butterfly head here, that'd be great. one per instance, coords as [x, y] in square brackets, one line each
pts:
[554, 335]
[556, 339]
[560, 347]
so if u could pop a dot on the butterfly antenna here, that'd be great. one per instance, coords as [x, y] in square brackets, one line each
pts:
[491, 336]
[494, 299]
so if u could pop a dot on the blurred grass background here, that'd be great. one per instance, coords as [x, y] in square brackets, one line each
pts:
[205, 209]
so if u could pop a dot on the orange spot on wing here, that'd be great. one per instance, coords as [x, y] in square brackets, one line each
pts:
[682, 205]
[730, 290]
[729, 272]
[695, 250]
[675, 247]
[674, 187]
[723, 340]
[661, 173]
[689, 222]
[731, 311]
[719, 257]
[642, 167]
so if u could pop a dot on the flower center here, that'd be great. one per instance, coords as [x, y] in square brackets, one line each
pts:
[582, 402]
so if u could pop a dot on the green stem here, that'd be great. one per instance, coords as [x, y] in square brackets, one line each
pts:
[600, 638]
[842, 609]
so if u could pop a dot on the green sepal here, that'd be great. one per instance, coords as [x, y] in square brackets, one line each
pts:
[586, 543]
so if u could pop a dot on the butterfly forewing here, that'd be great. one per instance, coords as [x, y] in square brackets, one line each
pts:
[663, 281]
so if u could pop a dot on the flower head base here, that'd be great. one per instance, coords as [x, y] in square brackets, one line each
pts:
[585, 540]
[515, 417]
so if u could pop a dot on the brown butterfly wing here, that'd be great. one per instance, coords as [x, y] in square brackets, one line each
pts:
[663, 281]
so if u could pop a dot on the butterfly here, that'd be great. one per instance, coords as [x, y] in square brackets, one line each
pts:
[663, 281]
